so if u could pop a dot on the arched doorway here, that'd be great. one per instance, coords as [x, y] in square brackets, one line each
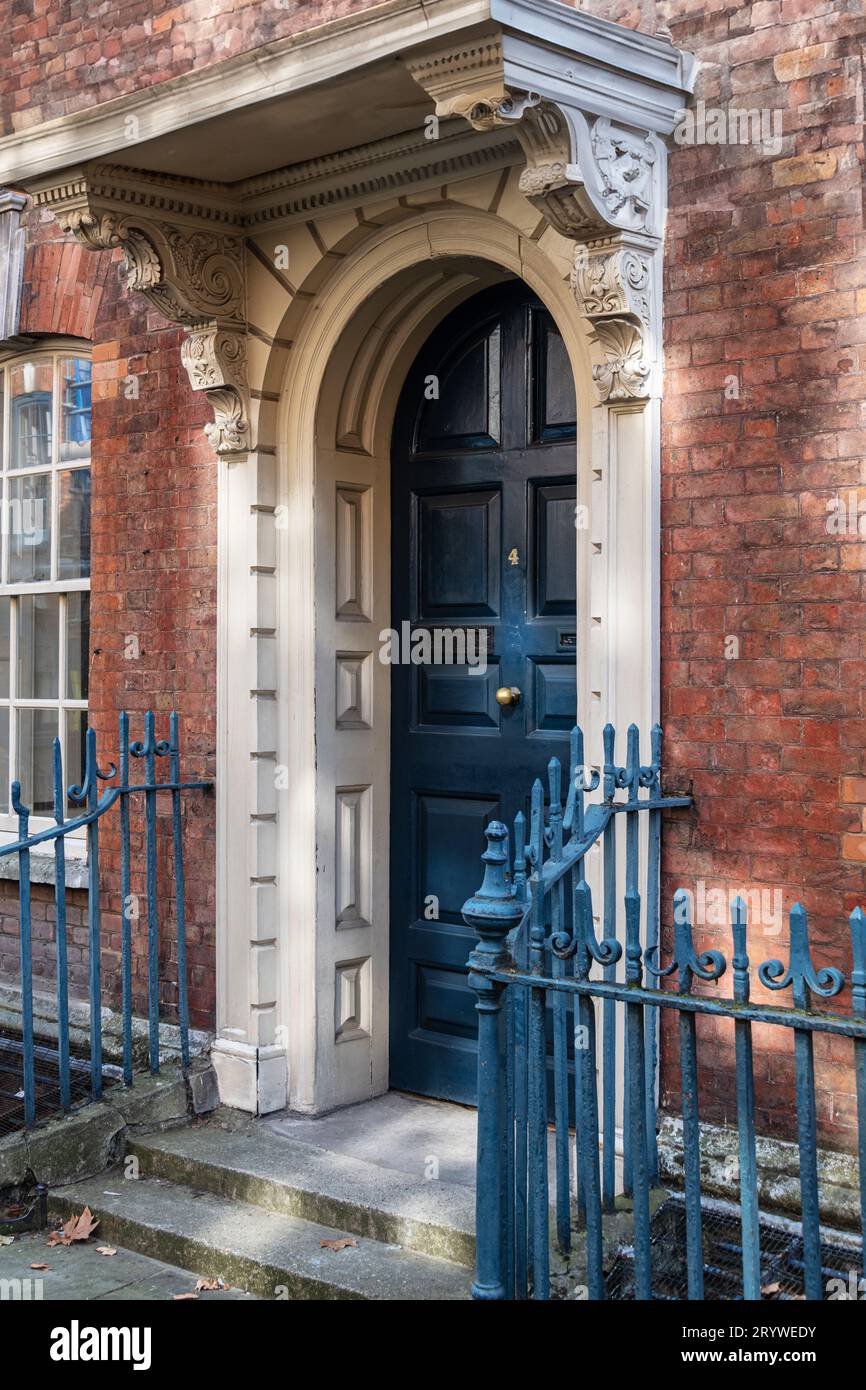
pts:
[345, 358]
[483, 611]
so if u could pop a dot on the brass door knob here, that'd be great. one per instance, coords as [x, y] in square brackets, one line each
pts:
[508, 695]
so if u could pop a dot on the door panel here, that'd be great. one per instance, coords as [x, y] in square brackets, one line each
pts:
[483, 536]
[552, 533]
[459, 560]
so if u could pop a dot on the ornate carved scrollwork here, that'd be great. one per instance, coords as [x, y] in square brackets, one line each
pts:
[110, 231]
[597, 183]
[623, 372]
[486, 113]
[215, 359]
[205, 277]
[613, 285]
[194, 278]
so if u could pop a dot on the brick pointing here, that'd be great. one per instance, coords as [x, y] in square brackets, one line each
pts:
[71, 54]
[154, 579]
[763, 424]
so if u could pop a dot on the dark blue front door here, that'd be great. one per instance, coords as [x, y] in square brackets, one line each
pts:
[483, 538]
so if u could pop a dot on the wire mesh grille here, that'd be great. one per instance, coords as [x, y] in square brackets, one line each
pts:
[47, 1083]
[781, 1259]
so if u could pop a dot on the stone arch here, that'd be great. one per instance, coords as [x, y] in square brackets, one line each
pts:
[353, 338]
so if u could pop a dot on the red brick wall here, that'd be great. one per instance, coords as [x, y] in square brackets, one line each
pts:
[71, 54]
[42, 937]
[766, 296]
[154, 533]
[153, 579]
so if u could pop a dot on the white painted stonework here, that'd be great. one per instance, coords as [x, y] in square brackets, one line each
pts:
[306, 293]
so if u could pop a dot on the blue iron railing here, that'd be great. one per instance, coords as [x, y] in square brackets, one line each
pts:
[536, 969]
[97, 803]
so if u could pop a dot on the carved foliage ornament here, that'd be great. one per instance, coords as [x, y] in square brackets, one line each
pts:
[230, 432]
[110, 231]
[205, 277]
[215, 361]
[613, 284]
[194, 278]
[623, 372]
[613, 287]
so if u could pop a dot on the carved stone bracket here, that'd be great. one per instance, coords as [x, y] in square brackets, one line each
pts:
[587, 176]
[615, 286]
[608, 201]
[194, 277]
[598, 181]
[215, 359]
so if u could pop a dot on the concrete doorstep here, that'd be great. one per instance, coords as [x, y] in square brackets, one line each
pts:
[266, 1253]
[31, 1272]
[288, 1209]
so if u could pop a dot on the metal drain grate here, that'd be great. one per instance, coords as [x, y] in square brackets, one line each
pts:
[47, 1083]
[781, 1259]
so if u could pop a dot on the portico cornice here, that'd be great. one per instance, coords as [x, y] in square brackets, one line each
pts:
[591, 120]
[583, 104]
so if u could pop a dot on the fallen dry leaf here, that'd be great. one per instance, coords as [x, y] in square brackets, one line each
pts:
[76, 1228]
[105, 1250]
[340, 1244]
[40, 1266]
[211, 1285]
[182, 1297]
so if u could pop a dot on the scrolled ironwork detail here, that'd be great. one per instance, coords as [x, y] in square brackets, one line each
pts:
[687, 962]
[800, 974]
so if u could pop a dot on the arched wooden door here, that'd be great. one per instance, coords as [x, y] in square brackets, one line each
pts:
[483, 537]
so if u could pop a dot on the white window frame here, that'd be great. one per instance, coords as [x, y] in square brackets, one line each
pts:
[52, 352]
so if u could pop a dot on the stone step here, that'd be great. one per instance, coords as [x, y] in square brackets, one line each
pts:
[297, 1179]
[250, 1247]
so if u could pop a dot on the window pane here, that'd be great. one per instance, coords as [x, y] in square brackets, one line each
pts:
[75, 408]
[37, 730]
[29, 524]
[38, 646]
[73, 764]
[30, 415]
[4, 648]
[4, 762]
[77, 645]
[73, 525]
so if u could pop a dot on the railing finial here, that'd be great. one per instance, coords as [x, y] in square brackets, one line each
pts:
[801, 975]
[494, 910]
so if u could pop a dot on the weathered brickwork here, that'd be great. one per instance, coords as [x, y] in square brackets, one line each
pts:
[42, 934]
[763, 613]
[762, 601]
[153, 597]
[73, 53]
[153, 581]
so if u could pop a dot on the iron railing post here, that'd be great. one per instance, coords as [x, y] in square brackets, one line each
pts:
[492, 913]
